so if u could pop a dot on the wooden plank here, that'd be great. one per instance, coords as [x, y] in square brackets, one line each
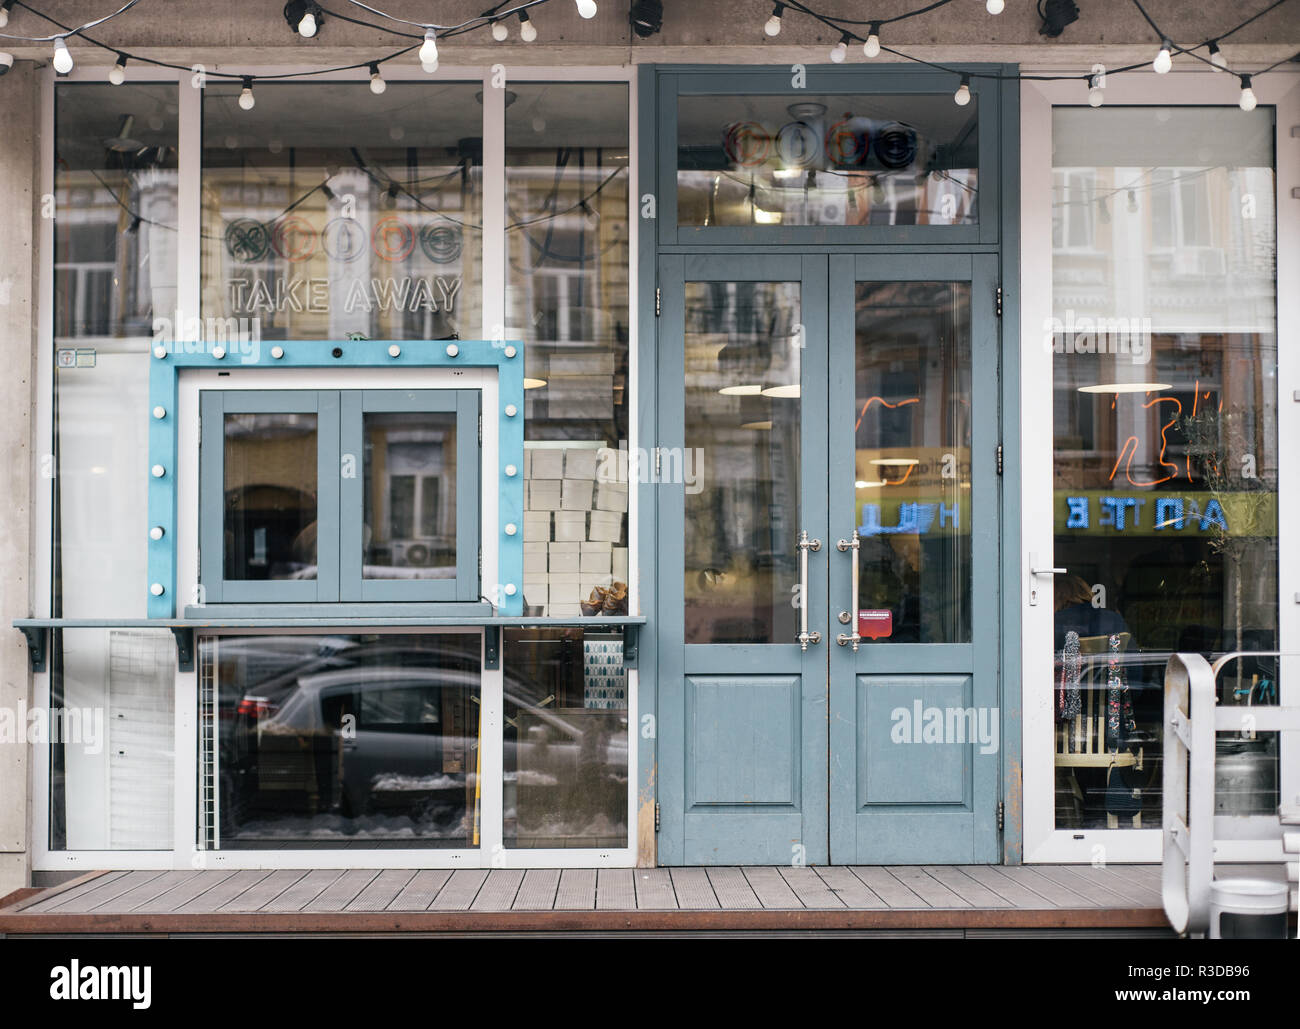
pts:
[498, 892]
[418, 894]
[1106, 889]
[42, 899]
[223, 891]
[178, 896]
[577, 890]
[264, 891]
[343, 890]
[925, 886]
[305, 890]
[461, 889]
[1030, 879]
[692, 888]
[809, 888]
[887, 888]
[87, 900]
[972, 892]
[851, 890]
[145, 892]
[732, 890]
[654, 889]
[614, 890]
[1020, 896]
[381, 891]
[772, 890]
[537, 891]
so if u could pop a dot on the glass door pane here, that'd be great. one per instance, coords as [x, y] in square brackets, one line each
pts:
[409, 520]
[270, 495]
[743, 409]
[912, 440]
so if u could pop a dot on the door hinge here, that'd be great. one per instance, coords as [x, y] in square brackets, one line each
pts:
[658, 463]
[1002, 816]
[997, 296]
[999, 458]
[656, 816]
[658, 299]
[480, 427]
[480, 562]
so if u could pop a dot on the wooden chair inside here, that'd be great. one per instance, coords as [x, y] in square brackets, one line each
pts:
[1081, 740]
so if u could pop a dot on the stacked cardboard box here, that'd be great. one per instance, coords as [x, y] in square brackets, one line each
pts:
[573, 528]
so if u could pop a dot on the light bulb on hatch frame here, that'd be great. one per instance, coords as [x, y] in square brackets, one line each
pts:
[871, 48]
[586, 8]
[307, 26]
[962, 97]
[773, 24]
[1164, 60]
[246, 99]
[117, 73]
[62, 59]
[429, 48]
[840, 51]
[499, 31]
[1247, 101]
[377, 83]
[527, 30]
[995, 6]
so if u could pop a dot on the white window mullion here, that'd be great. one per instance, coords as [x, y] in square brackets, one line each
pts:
[494, 208]
[189, 156]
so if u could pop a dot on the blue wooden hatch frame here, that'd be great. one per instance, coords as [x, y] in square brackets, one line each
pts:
[170, 358]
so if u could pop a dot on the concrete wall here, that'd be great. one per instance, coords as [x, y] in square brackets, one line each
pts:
[20, 131]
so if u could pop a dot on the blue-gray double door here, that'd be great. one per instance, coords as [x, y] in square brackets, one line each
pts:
[828, 432]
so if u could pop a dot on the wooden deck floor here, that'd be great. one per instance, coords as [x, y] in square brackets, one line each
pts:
[898, 898]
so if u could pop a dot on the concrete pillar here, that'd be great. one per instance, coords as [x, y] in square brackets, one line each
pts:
[20, 129]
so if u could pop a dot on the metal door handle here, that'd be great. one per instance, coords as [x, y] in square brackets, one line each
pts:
[1034, 573]
[853, 637]
[805, 637]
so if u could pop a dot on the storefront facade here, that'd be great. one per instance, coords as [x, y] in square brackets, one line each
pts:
[643, 462]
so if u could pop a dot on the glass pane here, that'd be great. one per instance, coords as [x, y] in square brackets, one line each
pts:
[112, 740]
[329, 212]
[565, 780]
[826, 160]
[567, 299]
[343, 740]
[912, 433]
[409, 529]
[270, 496]
[1165, 442]
[742, 416]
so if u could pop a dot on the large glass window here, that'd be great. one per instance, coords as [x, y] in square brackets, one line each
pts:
[368, 740]
[567, 299]
[826, 160]
[115, 256]
[1165, 437]
[329, 211]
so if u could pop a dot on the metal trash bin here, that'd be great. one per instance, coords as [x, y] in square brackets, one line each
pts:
[1248, 909]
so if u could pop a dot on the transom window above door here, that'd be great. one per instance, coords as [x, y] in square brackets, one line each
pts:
[321, 496]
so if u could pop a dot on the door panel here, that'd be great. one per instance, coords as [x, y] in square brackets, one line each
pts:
[742, 702]
[913, 435]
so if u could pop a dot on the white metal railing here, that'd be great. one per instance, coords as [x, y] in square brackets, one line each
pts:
[1191, 720]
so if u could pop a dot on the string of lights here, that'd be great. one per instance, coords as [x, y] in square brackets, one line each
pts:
[306, 17]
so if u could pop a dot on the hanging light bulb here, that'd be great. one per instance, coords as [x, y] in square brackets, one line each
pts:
[1247, 101]
[4, 12]
[117, 73]
[1096, 95]
[871, 48]
[246, 98]
[62, 59]
[499, 31]
[841, 49]
[1164, 61]
[773, 24]
[429, 50]
[586, 8]
[527, 30]
[995, 6]
[962, 97]
[1216, 55]
[377, 83]
[307, 27]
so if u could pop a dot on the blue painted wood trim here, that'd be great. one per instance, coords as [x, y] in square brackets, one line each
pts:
[1011, 544]
[172, 356]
